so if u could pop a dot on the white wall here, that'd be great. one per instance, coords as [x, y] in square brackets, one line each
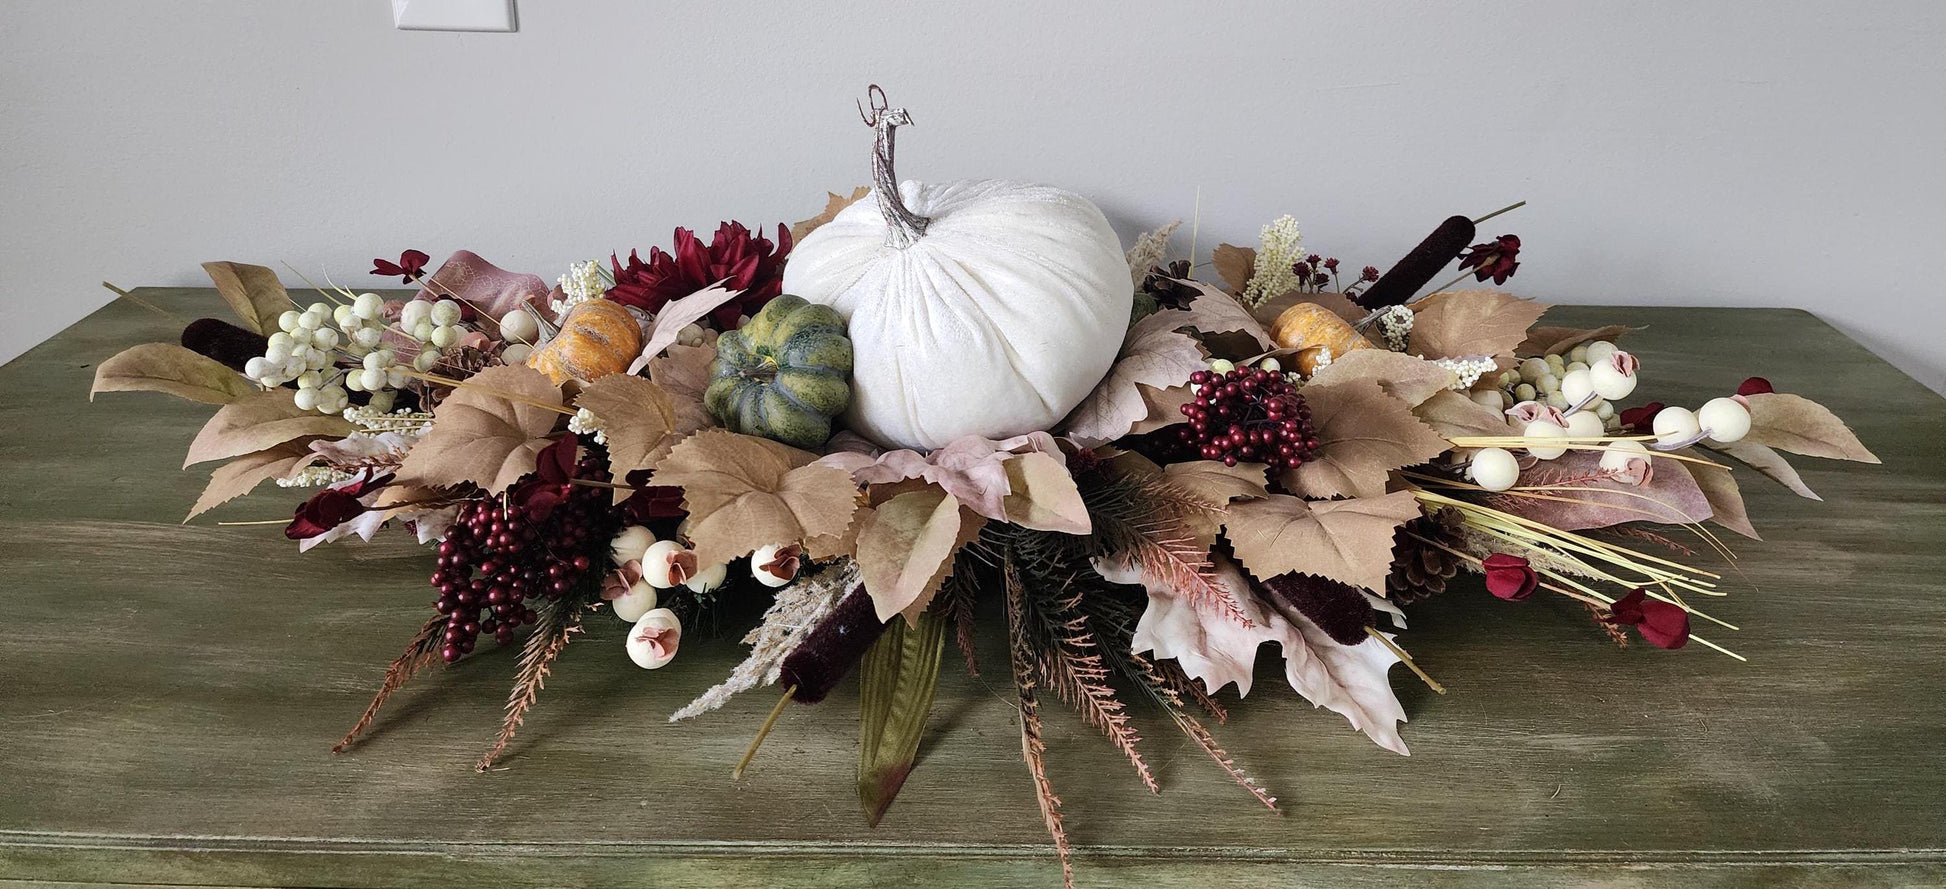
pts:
[1713, 153]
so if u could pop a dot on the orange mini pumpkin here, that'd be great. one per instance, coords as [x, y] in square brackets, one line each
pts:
[1311, 328]
[597, 338]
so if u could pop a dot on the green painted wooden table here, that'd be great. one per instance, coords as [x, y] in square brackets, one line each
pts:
[169, 694]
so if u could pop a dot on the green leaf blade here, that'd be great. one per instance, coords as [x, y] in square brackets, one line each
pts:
[897, 680]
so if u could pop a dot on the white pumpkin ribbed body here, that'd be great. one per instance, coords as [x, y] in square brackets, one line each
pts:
[997, 322]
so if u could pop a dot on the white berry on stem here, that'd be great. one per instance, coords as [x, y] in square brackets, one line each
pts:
[1674, 424]
[1494, 469]
[1726, 419]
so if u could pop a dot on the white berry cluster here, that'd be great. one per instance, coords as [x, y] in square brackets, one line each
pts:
[305, 350]
[1560, 382]
[301, 351]
[584, 422]
[582, 283]
[1395, 324]
[432, 324]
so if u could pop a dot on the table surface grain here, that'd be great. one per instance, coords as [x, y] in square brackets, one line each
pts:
[169, 694]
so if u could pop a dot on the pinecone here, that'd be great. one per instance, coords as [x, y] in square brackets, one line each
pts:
[1167, 293]
[1420, 571]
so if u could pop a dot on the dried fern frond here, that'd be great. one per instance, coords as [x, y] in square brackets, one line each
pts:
[799, 607]
[559, 620]
[1147, 521]
[418, 653]
[1069, 662]
[1032, 749]
[1114, 621]
[956, 599]
[1186, 686]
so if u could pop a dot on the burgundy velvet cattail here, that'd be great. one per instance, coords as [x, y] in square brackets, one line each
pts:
[833, 649]
[1418, 267]
[223, 342]
[1341, 611]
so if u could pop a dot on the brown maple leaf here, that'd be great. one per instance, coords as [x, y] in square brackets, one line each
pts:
[1349, 541]
[1363, 434]
[489, 431]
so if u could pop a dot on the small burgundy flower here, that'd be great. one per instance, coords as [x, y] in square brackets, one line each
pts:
[742, 260]
[410, 264]
[1302, 270]
[1369, 274]
[552, 480]
[331, 507]
[1510, 577]
[1496, 259]
[1331, 264]
[1641, 420]
[1314, 259]
[1755, 386]
[651, 502]
[1320, 279]
[1662, 624]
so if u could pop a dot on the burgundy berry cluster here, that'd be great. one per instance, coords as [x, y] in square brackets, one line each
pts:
[1248, 415]
[502, 555]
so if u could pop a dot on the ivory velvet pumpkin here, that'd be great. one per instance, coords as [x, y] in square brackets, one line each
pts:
[978, 307]
[597, 338]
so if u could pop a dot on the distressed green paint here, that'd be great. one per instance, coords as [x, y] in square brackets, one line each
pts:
[171, 694]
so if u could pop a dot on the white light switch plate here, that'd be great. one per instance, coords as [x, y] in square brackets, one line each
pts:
[453, 15]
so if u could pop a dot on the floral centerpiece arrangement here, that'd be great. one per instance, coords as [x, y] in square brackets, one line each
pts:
[932, 394]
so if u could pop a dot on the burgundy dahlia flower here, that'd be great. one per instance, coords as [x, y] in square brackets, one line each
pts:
[735, 255]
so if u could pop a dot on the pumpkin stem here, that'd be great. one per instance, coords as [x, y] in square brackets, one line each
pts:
[903, 228]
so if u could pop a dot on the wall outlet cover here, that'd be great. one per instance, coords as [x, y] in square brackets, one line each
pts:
[453, 15]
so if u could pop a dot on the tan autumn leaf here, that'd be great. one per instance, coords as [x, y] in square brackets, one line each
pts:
[1164, 407]
[1214, 484]
[242, 475]
[1153, 354]
[1234, 265]
[637, 417]
[906, 547]
[1349, 541]
[832, 204]
[166, 367]
[1213, 311]
[1406, 377]
[488, 432]
[1768, 462]
[1562, 340]
[683, 370]
[253, 292]
[1453, 415]
[743, 492]
[259, 420]
[1801, 426]
[1725, 500]
[1042, 495]
[1468, 323]
[1363, 434]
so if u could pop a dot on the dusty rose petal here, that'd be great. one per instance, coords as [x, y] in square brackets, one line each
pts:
[1661, 624]
[1510, 577]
